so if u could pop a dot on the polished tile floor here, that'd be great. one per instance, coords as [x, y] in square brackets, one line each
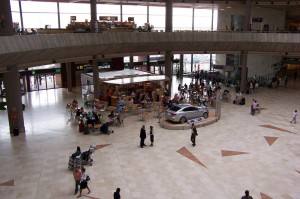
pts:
[260, 153]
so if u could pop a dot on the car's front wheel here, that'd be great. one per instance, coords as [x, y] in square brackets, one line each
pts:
[182, 120]
[205, 115]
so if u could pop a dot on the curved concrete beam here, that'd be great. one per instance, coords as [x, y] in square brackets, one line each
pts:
[26, 50]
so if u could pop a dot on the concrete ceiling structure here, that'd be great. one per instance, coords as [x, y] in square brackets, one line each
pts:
[288, 5]
[32, 50]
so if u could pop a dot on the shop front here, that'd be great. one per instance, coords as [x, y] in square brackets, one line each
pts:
[126, 84]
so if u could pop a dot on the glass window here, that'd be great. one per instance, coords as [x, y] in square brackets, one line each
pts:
[16, 17]
[138, 12]
[38, 7]
[109, 10]
[40, 20]
[157, 17]
[203, 19]
[175, 108]
[215, 26]
[182, 18]
[74, 8]
[14, 6]
[65, 18]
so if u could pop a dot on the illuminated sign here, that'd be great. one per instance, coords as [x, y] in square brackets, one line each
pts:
[108, 18]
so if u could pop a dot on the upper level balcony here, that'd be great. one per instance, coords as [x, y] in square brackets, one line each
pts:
[32, 50]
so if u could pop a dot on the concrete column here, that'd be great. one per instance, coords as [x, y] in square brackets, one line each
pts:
[248, 16]
[169, 69]
[121, 12]
[13, 99]
[58, 15]
[169, 16]
[181, 66]
[244, 72]
[218, 104]
[94, 22]
[131, 65]
[148, 63]
[96, 78]
[6, 24]
[21, 16]
[148, 12]
[69, 77]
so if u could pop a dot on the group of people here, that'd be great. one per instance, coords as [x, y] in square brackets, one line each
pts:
[143, 136]
[81, 180]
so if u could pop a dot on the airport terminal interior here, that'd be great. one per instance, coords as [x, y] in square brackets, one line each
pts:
[237, 152]
[259, 153]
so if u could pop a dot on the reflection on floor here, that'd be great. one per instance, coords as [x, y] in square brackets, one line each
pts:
[35, 165]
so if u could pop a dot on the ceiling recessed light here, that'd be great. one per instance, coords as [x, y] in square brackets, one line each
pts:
[228, 7]
[221, 9]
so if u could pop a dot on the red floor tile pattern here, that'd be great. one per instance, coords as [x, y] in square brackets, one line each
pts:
[10, 183]
[100, 146]
[264, 196]
[90, 197]
[183, 151]
[270, 140]
[275, 128]
[230, 153]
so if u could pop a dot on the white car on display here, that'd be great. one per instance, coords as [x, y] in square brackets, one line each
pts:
[183, 112]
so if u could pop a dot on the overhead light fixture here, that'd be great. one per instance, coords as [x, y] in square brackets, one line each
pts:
[272, 2]
[226, 2]
[212, 2]
[288, 2]
[256, 2]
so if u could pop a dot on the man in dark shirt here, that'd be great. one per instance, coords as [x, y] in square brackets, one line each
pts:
[143, 136]
[117, 194]
[246, 196]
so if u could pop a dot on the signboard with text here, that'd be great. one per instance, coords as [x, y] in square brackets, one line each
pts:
[108, 18]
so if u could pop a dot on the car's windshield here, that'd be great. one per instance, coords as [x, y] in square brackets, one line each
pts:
[175, 108]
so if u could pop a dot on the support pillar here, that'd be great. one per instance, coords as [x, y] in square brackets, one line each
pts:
[69, 77]
[94, 22]
[169, 69]
[244, 72]
[131, 65]
[96, 78]
[169, 16]
[218, 104]
[247, 24]
[6, 24]
[13, 99]
[181, 66]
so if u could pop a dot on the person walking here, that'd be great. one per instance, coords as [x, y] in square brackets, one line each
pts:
[193, 136]
[294, 117]
[117, 193]
[151, 136]
[143, 136]
[84, 182]
[77, 176]
[247, 196]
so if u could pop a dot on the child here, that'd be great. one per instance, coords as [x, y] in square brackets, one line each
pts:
[294, 116]
[151, 136]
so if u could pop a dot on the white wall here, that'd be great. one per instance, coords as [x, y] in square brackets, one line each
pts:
[261, 64]
[275, 18]
[257, 64]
